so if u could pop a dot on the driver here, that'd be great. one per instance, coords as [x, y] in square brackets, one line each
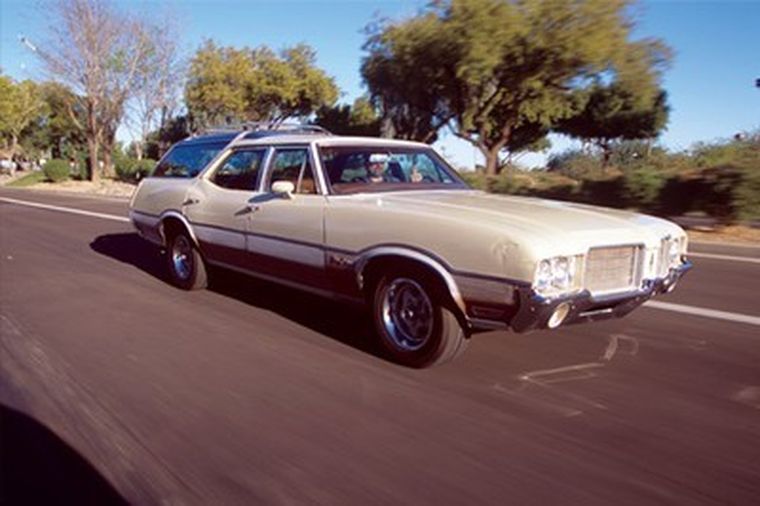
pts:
[377, 169]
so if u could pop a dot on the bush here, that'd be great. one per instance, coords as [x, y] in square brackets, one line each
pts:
[132, 170]
[575, 164]
[643, 185]
[746, 195]
[56, 170]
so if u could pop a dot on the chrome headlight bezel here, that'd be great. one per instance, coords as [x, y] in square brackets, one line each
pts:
[558, 275]
[676, 251]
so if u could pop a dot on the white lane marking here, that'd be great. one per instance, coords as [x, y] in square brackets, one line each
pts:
[701, 311]
[722, 244]
[731, 258]
[70, 210]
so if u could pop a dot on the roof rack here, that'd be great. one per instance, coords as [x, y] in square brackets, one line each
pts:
[266, 126]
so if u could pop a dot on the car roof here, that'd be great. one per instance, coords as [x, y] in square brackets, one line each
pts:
[326, 140]
[253, 131]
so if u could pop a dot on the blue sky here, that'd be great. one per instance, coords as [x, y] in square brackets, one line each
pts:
[710, 84]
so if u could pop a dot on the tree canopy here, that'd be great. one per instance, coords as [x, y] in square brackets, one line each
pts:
[618, 112]
[228, 85]
[493, 68]
[20, 104]
[360, 118]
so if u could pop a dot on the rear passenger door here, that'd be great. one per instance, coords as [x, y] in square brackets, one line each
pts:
[219, 206]
[286, 234]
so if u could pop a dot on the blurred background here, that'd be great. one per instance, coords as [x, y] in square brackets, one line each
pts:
[646, 105]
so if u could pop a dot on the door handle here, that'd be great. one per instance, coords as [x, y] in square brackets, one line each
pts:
[248, 209]
[190, 201]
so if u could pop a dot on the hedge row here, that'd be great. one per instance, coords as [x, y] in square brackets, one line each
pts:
[729, 193]
[132, 170]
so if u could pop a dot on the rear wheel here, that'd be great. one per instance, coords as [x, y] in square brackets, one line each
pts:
[413, 324]
[186, 266]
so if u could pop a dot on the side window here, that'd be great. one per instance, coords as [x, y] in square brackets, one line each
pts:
[240, 170]
[293, 165]
[187, 161]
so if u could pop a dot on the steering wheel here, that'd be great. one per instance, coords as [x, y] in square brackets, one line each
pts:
[359, 179]
[428, 179]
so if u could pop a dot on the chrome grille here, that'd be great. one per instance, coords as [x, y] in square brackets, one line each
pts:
[610, 270]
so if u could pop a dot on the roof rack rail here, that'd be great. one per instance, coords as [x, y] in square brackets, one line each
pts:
[265, 126]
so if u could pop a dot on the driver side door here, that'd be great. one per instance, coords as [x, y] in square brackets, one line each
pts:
[286, 238]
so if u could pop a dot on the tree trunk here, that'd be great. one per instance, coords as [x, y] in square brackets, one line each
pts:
[92, 149]
[492, 162]
[109, 140]
[606, 155]
[14, 145]
[139, 149]
[108, 169]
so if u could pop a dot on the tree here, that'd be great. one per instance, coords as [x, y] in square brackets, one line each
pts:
[20, 104]
[357, 119]
[406, 92]
[617, 112]
[98, 52]
[490, 68]
[159, 141]
[157, 89]
[228, 85]
[55, 130]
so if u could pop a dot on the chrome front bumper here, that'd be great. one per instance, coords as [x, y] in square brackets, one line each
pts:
[535, 311]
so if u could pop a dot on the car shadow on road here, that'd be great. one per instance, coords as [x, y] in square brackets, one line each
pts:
[343, 323]
[38, 467]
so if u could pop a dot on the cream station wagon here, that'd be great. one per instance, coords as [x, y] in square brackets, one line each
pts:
[390, 224]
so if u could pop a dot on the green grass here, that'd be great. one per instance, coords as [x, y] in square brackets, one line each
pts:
[28, 180]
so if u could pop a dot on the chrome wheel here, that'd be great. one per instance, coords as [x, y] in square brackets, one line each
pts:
[182, 257]
[407, 314]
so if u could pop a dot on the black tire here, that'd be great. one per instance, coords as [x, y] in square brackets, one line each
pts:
[445, 340]
[188, 273]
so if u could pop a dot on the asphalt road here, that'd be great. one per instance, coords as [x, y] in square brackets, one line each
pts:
[116, 387]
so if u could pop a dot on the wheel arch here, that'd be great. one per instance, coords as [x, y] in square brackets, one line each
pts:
[372, 263]
[172, 220]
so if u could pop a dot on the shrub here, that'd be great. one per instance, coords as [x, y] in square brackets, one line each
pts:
[132, 170]
[56, 170]
[575, 164]
[746, 195]
[643, 185]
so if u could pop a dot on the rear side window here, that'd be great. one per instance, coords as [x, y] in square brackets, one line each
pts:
[187, 161]
[240, 170]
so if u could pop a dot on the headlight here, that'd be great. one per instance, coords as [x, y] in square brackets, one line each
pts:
[556, 275]
[674, 253]
[676, 247]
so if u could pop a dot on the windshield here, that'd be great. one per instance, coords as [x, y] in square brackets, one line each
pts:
[355, 169]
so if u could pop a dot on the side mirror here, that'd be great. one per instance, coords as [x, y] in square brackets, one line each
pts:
[283, 189]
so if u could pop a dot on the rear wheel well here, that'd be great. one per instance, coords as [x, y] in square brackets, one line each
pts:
[170, 227]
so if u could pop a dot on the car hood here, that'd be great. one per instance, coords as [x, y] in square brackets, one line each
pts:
[546, 222]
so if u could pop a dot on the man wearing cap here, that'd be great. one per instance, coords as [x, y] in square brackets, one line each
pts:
[377, 169]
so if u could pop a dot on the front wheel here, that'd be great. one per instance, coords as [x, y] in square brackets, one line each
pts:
[186, 266]
[413, 325]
